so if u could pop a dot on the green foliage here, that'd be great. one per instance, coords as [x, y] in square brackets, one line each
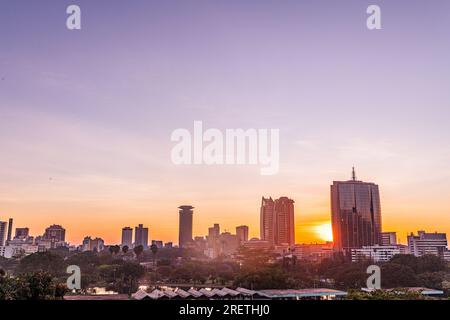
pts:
[31, 286]
[396, 275]
[397, 294]
[263, 278]
[43, 261]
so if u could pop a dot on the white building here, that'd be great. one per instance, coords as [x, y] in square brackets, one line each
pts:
[377, 253]
[6, 252]
[427, 243]
[388, 238]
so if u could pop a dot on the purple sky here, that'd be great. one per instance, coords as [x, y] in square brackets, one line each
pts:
[94, 109]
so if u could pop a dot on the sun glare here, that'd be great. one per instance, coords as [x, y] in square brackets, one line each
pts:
[324, 231]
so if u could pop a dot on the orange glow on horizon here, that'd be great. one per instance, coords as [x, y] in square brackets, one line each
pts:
[324, 231]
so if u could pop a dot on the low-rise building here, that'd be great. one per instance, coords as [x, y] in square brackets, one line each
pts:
[377, 253]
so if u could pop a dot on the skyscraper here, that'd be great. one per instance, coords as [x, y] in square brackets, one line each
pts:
[284, 211]
[355, 214]
[141, 236]
[242, 233]
[185, 227]
[10, 226]
[55, 233]
[267, 220]
[277, 221]
[127, 237]
[2, 233]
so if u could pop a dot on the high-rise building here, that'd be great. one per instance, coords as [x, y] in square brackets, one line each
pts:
[185, 226]
[55, 233]
[10, 226]
[355, 214]
[427, 243]
[141, 236]
[214, 231]
[388, 238]
[21, 233]
[277, 221]
[158, 243]
[127, 237]
[242, 234]
[90, 244]
[267, 220]
[284, 210]
[3, 230]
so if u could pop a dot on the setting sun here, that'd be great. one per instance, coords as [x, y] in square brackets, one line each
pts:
[324, 231]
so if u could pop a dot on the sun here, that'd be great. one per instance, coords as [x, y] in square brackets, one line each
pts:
[324, 231]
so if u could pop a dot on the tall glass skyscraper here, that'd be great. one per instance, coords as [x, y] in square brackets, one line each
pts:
[355, 214]
[185, 231]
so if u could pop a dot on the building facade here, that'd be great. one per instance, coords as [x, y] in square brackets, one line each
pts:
[141, 236]
[355, 214]
[3, 230]
[90, 244]
[127, 237]
[427, 243]
[277, 221]
[242, 234]
[185, 226]
[388, 238]
[377, 253]
[55, 233]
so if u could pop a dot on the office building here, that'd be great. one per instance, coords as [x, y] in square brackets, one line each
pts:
[55, 233]
[95, 245]
[277, 221]
[3, 231]
[158, 243]
[10, 227]
[141, 236]
[427, 243]
[185, 226]
[377, 253]
[388, 238]
[127, 237]
[355, 214]
[242, 234]
[22, 233]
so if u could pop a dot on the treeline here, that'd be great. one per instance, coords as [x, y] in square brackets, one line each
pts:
[254, 269]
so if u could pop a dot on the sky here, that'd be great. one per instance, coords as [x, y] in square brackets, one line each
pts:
[86, 116]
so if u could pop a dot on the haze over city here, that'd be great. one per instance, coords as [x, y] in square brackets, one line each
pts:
[88, 145]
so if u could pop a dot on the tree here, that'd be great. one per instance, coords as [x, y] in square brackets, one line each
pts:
[395, 275]
[397, 294]
[430, 263]
[125, 249]
[263, 278]
[154, 249]
[138, 250]
[31, 286]
[407, 260]
[114, 250]
[43, 261]
[129, 273]
[433, 280]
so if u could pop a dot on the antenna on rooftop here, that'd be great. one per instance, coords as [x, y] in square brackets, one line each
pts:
[353, 174]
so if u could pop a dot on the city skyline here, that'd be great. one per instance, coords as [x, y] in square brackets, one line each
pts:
[87, 115]
[323, 232]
